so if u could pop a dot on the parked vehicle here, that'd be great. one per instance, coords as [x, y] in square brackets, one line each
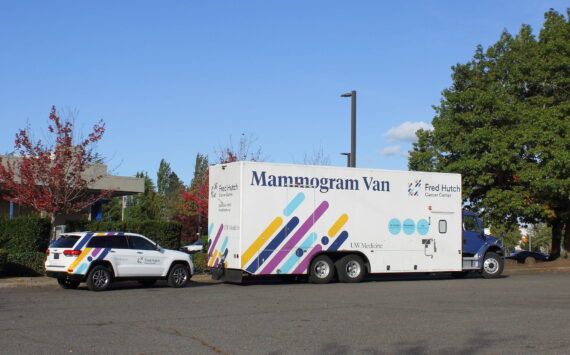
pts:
[525, 256]
[99, 258]
[276, 219]
[195, 247]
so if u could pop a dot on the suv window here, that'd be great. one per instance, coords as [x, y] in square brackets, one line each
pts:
[117, 242]
[141, 243]
[470, 224]
[98, 242]
[66, 241]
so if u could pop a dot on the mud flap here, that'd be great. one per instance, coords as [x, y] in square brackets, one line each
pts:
[227, 275]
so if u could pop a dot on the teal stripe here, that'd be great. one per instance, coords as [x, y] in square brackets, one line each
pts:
[210, 229]
[224, 245]
[293, 259]
[80, 269]
[295, 202]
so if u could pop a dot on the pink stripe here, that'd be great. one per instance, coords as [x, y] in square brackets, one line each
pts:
[302, 267]
[95, 252]
[216, 262]
[282, 253]
[215, 240]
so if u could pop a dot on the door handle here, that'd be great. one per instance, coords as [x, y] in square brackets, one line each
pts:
[111, 251]
[139, 252]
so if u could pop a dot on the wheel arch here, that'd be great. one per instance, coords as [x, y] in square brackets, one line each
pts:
[179, 262]
[105, 263]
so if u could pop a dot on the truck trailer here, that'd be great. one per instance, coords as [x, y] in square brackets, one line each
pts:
[334, 222]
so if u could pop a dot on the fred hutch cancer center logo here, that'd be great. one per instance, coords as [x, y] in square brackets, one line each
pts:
[415, 187]
[214, 190]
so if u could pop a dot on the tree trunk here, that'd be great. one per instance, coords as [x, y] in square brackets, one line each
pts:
[556, 238]
[566, 251]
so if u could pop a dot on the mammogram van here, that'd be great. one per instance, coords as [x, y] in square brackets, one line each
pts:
[275, 219]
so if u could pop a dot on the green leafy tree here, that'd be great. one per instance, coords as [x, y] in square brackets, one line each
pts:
[145, 206]
[504, 125]
[169, 187]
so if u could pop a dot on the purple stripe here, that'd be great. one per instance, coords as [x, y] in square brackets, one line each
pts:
[282, 253]
[215, 240]
[302, 267]
[216, 262]
[95, 252]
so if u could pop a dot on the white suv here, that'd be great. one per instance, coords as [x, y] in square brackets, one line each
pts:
[98, 258]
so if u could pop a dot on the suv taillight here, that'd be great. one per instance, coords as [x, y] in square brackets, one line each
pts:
[47, 251]
[71, 252]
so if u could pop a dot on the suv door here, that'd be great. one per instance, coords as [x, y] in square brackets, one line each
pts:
[150, 260]
[123, 258]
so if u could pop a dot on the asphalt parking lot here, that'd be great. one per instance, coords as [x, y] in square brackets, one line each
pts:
[522, 313]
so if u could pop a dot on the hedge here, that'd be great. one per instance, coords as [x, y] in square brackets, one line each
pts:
[3, 259]
[25, 264]
[24, 234]
[199, 261]
[167, 234]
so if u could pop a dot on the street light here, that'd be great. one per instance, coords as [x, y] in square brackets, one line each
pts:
[352, 156]
[347, 158]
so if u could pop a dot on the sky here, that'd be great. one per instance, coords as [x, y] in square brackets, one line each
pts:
[171, 79]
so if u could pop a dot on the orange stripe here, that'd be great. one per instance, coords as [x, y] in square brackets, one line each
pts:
[258, 243]
[79, 259]
[338, 225]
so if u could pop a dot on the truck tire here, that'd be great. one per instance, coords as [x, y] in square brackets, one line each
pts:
[99, 278]
[178, 276]
[68, 284]
[321, 270]
[492, 265]
[350, 268]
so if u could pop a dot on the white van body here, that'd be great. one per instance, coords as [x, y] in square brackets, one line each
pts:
[270, 219]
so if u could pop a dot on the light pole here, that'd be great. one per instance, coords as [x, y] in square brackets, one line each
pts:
[352, 156]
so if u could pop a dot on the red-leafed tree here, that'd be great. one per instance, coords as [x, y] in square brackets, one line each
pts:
[195, 215]
[53, 177]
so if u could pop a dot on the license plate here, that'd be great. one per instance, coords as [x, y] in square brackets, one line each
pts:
[55, 255]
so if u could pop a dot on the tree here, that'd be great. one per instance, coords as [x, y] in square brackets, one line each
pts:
[53, 177]
[145, 206]
[169, 187]
[504, 125]
[318, 157]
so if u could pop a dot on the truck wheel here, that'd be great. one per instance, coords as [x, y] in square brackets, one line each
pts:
[322, 270]
[492, 265]
[99, 278]
[66, 283]
[178, 276]
[350, 268]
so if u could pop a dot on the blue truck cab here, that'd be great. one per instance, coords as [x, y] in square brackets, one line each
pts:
[481, 252]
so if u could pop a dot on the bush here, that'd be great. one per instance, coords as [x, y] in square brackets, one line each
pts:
[25, 264]
[167, 234]
[199, 260]
[24, 234]
[3, 257]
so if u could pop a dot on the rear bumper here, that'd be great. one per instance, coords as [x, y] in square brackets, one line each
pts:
[64, 275]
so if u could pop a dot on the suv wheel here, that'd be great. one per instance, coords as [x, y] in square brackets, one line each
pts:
[66, 283]
[178, 276]
[99, 278]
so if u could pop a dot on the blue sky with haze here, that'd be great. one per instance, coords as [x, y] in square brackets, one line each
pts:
[175, 78]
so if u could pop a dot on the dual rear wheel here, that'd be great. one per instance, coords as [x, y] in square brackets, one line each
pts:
[349, 268]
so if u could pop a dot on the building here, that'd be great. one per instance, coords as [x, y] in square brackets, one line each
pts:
[120, 185]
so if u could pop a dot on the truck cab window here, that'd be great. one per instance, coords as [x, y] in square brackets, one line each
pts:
[470, 224]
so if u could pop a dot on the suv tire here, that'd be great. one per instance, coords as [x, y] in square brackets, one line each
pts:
[68, 284]
[99, 278]
[178, 276]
